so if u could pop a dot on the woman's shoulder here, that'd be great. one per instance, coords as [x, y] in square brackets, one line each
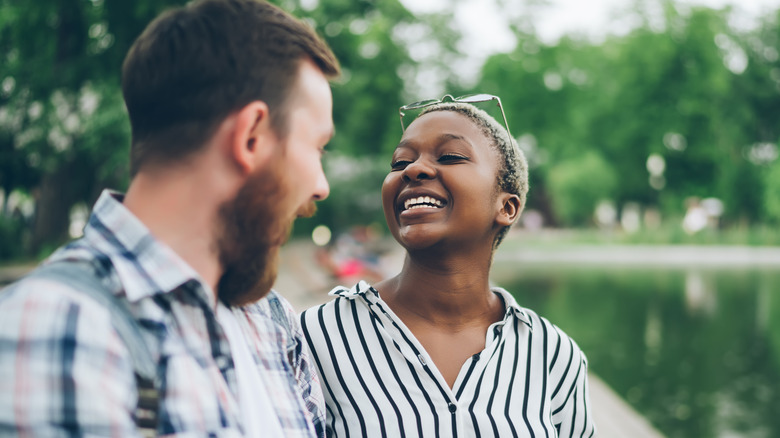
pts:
[343, 299]
[336, 324]
[539, 325]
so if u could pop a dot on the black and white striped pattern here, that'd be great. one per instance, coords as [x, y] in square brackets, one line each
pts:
[529, 381]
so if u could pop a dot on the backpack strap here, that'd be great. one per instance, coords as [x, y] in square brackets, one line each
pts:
[83, 277]
[279, 315]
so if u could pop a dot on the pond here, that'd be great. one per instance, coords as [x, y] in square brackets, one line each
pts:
[694, 350]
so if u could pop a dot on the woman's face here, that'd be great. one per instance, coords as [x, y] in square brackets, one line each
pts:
[442, 185]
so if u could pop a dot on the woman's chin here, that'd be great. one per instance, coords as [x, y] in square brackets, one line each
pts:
[417, 240]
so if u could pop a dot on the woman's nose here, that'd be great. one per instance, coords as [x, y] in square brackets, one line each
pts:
[419, 169]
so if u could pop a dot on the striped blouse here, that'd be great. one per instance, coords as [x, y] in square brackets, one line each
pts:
[529, 381]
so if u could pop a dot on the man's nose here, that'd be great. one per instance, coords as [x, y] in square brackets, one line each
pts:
[321, 188]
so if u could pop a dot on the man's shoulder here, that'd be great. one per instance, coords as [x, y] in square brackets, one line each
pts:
[274, 309]
[43, 308]
[272, 305]
[31, 287]
[59, 285]
[46, 288]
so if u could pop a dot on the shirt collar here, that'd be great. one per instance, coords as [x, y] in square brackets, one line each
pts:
[365, 290]
[361, 289]
[144, 265]
[512, 308]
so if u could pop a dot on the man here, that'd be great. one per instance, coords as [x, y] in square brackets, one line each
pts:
[230, 108]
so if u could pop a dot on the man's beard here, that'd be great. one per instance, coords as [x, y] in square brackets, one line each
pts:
[254, 226]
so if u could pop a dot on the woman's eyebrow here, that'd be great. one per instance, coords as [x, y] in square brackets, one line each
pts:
[448, 136]
[441, 139]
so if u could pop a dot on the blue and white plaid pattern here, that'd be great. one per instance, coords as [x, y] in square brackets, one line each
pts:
[65, 372]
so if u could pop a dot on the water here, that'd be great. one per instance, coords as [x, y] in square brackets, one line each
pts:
[696, 351]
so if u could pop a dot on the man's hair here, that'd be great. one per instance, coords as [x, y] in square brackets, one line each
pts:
[512, 174]
[194, 65]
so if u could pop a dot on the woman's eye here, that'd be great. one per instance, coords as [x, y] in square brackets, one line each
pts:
[452, 157]
[399, 164]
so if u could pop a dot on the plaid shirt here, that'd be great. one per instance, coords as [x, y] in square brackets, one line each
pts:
[65, 372]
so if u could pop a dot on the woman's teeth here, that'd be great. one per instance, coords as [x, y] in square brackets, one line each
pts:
[422, 202]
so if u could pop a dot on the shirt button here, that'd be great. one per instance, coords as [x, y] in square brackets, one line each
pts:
[452, 407]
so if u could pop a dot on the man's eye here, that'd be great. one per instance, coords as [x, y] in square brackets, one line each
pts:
[399, 164]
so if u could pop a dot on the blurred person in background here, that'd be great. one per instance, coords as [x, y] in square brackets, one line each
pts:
[230, 108]
[435, 350]
[352, 256]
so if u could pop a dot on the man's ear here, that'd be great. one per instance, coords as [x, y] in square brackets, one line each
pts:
[253, 137]
[510, 209]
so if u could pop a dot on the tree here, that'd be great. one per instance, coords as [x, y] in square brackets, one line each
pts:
[577, 184]
[63, 129]
[372, 40]
[62, 119]
[689, 88]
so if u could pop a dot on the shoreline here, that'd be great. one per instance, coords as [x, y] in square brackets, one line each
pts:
[720, 256]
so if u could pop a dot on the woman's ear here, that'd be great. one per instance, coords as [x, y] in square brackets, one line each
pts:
[510, 209]
[253, 137]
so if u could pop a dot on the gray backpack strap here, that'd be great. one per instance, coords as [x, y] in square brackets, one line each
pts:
[279, 315]
[82, 276]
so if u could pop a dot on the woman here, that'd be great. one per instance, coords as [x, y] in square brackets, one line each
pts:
[435, 351]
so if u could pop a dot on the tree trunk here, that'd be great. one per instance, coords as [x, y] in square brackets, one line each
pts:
[54, 198]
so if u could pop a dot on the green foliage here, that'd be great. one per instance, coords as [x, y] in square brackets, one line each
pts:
[64, 133]
[578, 184]
[368, 94]
[370, 40]
[772, 192]
[11, 238]
[687, 86]
[63, 128]
[691, 89]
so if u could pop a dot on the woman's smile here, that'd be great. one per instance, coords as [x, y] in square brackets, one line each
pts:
[422, 202]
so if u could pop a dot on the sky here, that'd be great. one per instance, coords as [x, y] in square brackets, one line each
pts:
[485, 28]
